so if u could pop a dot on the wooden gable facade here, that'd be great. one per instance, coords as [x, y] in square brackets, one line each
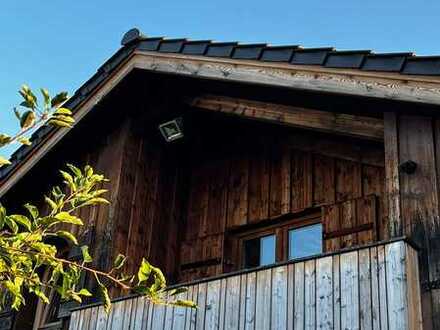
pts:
[257, 158]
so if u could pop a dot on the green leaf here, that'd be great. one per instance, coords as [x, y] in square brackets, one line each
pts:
[58, 123]
[75, 170]
[17, 113]
[46, 97]
[144, 271]
[25, 141]
[105, 297]
[59, 99]
[119, 261]
[68, 218]
[69, 180]
[63, 111]
[85, 253]
[4, 161]
[33, 210]
[27, 119]
[22, 220]
[2, 216]
[84, 292]
[11, 224]
[4, 140]
[96, 201]
[51, 203]
[185, 303]
[67, 235]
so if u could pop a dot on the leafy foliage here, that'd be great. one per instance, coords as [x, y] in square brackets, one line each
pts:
[25, 239]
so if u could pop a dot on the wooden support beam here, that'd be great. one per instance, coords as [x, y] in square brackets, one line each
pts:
[344, 124]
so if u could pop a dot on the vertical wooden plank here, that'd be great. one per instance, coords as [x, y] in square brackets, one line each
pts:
[118, 315]
[383, 300]
[148, 314]
[128, 305]
[102, 318]
[348, 180]
[415, 320]
[263, 299]
[80, 319]
[323, 180]
[250, 302]
[279, 298]
[222, 302]
[218, 196]
[310, 295]
[299, 310]
[179, 314]
[392, 185]
[232, 302]
[193, 312]
[73, 323]
[375, 290]
[259, 181]
[290, 296]
[94, 319]
[198, 201]
[324, 293]
[396, 281]
[212, 305]
[331, 222]
[242, 303]
[169, 317]
[301, 181]
[349, 291]
[348, 221]
[238, 189]
[201, 303]
[336, 293]
[139, 313]
[366, 321]
[280, 179]
[366, 213]
[373, 183]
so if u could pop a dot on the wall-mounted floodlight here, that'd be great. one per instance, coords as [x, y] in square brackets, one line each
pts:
[172, 130]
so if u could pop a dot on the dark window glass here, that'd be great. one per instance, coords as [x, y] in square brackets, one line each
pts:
[305, 241]
[259, 251]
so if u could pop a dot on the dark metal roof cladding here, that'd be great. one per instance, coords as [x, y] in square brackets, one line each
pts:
[404, 63]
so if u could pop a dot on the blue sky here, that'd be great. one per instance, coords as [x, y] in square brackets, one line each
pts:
[59, 44]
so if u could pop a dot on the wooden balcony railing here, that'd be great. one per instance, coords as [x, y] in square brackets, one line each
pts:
[371, 287]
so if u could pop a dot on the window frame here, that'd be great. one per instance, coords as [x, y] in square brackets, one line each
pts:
[280, 230]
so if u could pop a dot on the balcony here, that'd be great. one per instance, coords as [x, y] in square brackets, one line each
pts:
[370, 287]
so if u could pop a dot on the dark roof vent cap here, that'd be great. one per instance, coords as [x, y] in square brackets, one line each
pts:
[130, 36]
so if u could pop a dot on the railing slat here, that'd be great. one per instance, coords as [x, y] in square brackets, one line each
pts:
[201, 302]
[366, 321]
[375, 305]
[251, 287]
[336, 293]
[263, 307]
[299, 296]
[212, 305]
[279, 298]
[232, 307]
[324, 294]
[310, 295]
[139, 313]
[383, 307]
[396, 284]
[349, 291]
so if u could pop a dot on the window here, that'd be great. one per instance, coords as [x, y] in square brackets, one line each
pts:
[259, 251]
[274, 242]
[305, 241]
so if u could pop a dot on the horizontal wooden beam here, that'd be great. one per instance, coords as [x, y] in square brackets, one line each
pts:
[344, 124]
[392, 86]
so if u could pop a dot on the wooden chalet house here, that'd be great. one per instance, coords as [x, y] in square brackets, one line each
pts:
[287, 187]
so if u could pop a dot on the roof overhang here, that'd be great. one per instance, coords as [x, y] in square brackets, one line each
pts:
[391, 86]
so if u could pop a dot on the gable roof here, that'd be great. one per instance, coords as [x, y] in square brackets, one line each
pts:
[330, 60]
[365, 60]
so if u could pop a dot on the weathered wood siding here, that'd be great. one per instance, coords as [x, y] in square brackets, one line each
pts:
[257, 174]
[369, 288]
